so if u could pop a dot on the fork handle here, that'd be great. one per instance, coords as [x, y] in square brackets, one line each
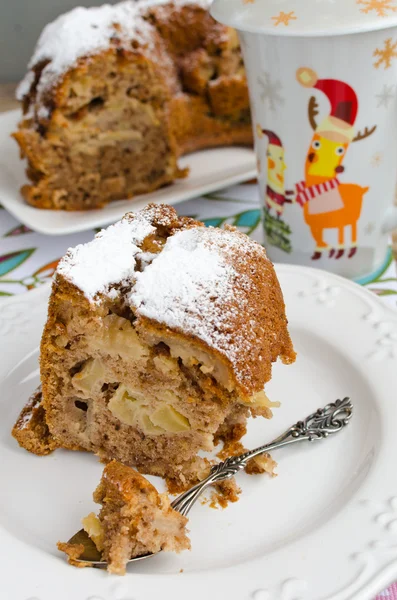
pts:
[317, 426]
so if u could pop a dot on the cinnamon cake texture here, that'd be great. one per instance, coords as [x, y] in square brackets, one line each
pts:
[115, 94]
[160, 338]
[134, 520]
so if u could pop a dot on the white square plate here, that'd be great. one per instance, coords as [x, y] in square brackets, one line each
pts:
[210, 170]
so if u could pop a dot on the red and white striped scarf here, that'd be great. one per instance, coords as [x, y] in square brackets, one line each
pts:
[275, 196]
[304, 194]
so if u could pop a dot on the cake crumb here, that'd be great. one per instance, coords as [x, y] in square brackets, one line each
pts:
[225, 492]
[176, 486]
[73, 552]
[261, 464]
[231, 448]
[256, 466]
[192, 472]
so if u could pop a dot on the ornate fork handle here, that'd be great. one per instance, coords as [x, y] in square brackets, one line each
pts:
[317, 426]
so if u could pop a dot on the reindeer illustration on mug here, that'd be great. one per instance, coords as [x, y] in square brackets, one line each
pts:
[328, 203]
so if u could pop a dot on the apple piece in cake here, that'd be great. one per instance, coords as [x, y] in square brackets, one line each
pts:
[160, 337]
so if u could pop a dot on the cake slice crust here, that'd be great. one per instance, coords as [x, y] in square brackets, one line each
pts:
[31, 430]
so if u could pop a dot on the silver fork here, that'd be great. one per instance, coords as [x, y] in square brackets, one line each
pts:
[317, 426]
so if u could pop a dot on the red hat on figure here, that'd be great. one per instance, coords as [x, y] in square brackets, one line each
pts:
[338, 126]
[273, 138]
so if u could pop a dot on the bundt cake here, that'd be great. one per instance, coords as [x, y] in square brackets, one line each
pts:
[134, 520]
[115, 94]
[160, 337]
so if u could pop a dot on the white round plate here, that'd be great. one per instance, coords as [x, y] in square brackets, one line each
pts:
[210, 170]
[324, 529]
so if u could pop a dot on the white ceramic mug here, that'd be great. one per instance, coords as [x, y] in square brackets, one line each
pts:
[322, 77]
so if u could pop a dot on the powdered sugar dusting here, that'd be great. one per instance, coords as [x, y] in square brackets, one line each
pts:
[86, 31]
[192, 286]
[43, 112]
[25, 420]
[27, 417]
[198, 281]
[108, 259]
[146, 258]
[24, 87]
[83, 32]
[205, 4]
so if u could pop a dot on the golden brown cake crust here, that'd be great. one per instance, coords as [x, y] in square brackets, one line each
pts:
[31, 430]
[164, 80]
[121, 484]
[253, 332]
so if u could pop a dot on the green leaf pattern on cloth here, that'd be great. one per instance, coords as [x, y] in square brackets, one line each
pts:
[26, 266]
[384, 292]
[9, 262]
[214, 222]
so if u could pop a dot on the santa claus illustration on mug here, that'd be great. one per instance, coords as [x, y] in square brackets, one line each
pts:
[275, 194]
[327, 203]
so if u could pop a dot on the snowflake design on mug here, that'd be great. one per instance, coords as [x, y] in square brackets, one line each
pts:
[270, 90]
[386, 95]
[386, 54]
[284, 18]
[380, 6]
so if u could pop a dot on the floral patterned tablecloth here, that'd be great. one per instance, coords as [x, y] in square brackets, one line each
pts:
[28, 259]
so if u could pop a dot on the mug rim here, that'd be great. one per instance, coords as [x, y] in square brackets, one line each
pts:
[221, 11]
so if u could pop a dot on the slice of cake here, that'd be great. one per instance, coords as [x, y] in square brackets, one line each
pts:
[116, 93]
[134, 520]
[160, 337]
